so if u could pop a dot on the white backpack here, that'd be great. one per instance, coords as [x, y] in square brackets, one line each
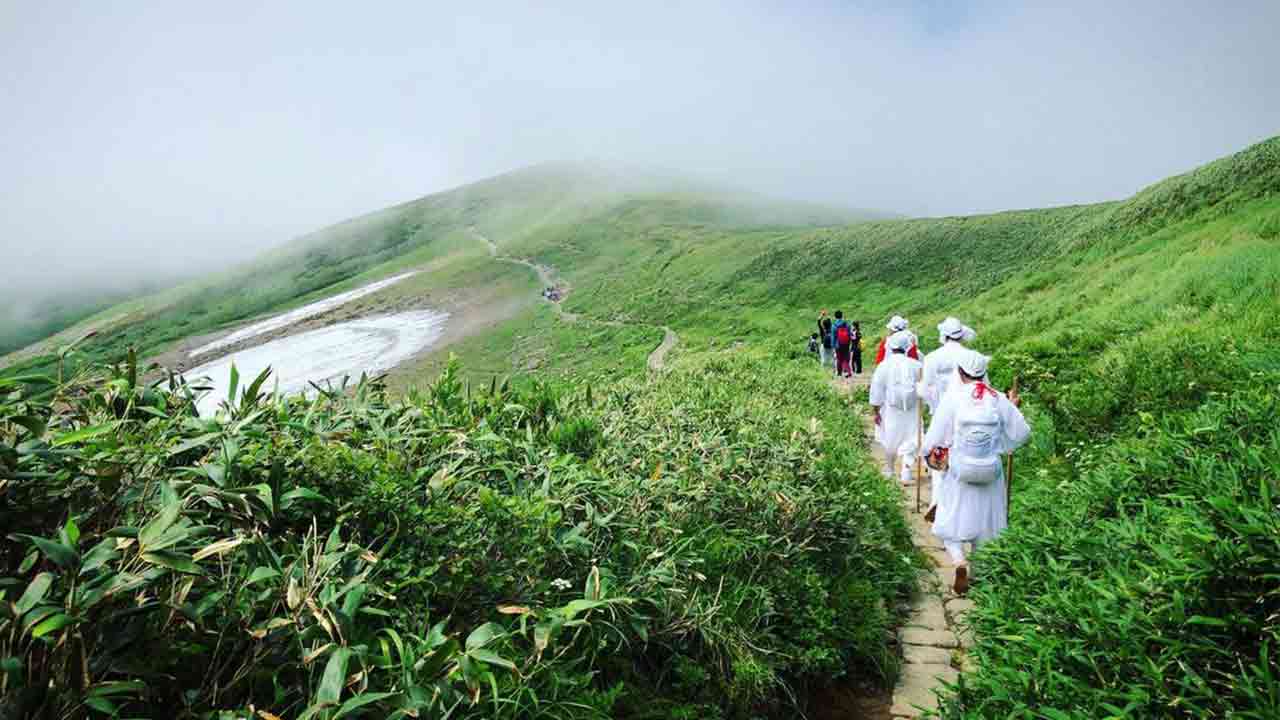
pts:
[944, 371]
[975, 452]
[901, 390]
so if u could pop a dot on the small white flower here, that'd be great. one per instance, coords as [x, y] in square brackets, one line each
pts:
[561, 584]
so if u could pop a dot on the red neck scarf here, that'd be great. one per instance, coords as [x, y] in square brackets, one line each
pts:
[982, 388]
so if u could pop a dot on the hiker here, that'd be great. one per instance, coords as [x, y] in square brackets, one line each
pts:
[940, 365]
[899, 324]
[824, 332]
[894, 401]
[856, 356]
[842, 341]
[939, 375]
[974, 426]
[813, 344]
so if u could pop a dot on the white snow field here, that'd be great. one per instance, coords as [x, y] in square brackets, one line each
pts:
[372, 345]
[299, 314]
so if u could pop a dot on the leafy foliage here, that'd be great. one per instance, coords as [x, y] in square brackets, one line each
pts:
[498, 553]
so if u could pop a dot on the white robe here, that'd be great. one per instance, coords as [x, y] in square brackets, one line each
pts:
[967, 512]
[940, 372]
[897, 430]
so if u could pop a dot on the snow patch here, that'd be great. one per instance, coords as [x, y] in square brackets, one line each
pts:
[299, 314]
[372, 345]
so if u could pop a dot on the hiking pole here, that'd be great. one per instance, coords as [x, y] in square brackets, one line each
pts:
[1008, 480]
[919, 443]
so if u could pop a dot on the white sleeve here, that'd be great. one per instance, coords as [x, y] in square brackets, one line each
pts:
[876, 394]
[929, 381]
[941, 426]
[1016, 429]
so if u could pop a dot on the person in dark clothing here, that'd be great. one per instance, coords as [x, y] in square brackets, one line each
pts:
[842, 341]
[824, 332]
[856, 355]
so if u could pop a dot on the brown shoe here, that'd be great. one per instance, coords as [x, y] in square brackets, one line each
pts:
[931, 514]
[961, 585]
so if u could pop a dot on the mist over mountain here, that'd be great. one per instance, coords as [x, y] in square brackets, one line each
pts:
[151, 143]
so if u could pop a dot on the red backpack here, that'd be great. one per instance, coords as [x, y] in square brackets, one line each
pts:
[844, 337]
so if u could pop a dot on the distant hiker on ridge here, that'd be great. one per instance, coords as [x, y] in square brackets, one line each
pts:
[824, 332]
[893, 405]
[856, 356]
[977, 424]
[940, 375]
[842, 341]
[899, 324]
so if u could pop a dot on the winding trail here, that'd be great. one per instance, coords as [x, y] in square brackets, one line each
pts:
[549, 277]
[935, 637]
[658, 358]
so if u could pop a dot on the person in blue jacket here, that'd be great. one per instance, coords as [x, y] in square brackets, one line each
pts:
[842, 337]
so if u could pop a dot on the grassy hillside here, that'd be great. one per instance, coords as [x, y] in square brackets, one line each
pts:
[437, 232]
[1140, 576]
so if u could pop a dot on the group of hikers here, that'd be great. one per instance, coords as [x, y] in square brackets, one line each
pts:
[838, 344]
[972, 426]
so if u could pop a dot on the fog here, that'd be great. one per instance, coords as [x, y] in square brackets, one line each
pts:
[151, 139]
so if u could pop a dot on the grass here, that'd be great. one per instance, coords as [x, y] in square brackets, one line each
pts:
[1139, 575]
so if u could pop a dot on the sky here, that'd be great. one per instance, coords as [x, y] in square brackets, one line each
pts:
[143, 139]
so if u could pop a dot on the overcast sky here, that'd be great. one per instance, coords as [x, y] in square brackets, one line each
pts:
[152, 135]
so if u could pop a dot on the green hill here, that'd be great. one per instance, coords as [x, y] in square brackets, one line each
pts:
[710, 541]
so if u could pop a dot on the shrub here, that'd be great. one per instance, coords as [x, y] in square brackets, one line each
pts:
[502, 553]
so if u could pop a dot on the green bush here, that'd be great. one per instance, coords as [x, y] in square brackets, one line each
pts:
[511, 552]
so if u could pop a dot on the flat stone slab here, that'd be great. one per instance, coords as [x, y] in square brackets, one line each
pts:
[928, 615]
[914, 693]
[934, 638]
[957, 607]
[939, 558]
[926, 655]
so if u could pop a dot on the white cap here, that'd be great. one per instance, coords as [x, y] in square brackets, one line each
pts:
[900, 340]
[974, 364]
[953, 329]
[897, 323]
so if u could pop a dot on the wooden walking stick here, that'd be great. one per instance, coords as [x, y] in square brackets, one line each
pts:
[919, 442]
[1008, 473]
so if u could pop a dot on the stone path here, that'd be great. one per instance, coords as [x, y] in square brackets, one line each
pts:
[933, 639]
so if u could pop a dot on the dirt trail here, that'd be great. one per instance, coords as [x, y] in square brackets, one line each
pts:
[658, 358]
[934, 639]
[548, 276]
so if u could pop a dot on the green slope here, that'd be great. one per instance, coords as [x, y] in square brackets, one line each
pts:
[1141, 574]
[435, 232]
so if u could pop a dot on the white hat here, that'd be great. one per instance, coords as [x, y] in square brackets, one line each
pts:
[900, 340]
[953, 329]
[974, 364]
[897, 323]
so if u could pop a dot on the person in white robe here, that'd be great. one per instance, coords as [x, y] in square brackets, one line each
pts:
[940, 365]
[978, 425]
[898, 324]
[940, 374]
[895, 404]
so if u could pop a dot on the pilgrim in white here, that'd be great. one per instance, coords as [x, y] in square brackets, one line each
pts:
[978, 425]
[895, 404]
